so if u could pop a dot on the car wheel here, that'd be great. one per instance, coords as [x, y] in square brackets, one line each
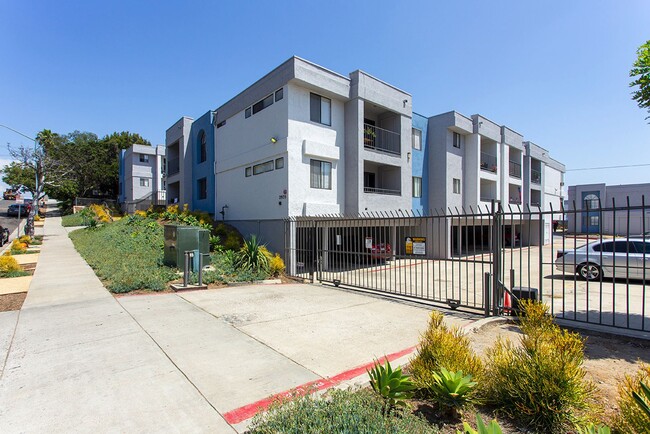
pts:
[590, 272]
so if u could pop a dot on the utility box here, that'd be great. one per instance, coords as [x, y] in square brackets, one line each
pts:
[180, 239]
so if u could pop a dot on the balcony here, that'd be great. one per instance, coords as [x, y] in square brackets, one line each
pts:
[382, 140]
[488, 162]
[535, 176]
[386, 191]
[514, 169]
[173, 166]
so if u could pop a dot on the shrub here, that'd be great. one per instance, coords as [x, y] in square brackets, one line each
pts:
[8, 264]
[593, 429]
[17, 247]
[632, 418]
[393, 386]
[443, 347]
[101, 213]
[37, 218]
[339, 411]
[542, 382]
[276, 265]
[231, 238]
[252, 256]
[452, 390]
[25, 239]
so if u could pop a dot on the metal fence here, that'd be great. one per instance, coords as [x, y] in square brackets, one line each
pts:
[484, 260]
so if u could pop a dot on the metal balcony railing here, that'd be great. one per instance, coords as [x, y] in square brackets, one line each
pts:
[173, 166]
[380, 139]
[487, 198]
[514, 169]
[488, 162]
[535, 176]
[382, 191]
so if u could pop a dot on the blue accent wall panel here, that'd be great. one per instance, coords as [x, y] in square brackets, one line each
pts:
[203, 169]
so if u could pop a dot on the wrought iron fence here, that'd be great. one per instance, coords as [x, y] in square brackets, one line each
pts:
[484, 260]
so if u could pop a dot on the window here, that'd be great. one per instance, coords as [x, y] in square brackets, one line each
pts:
[144, 158]
[320, 109]
[249, 171]
[592, 202]
[279, 94]
[456, 185]
[247, 113]
[261, 105]
[417, 139]
[593, 220]
[456, 140]
[642, 247]
[202, 187]
[279, 163]
[203, 147]
[321, 174]
[144, 182]
[417, 186]
[263, 167]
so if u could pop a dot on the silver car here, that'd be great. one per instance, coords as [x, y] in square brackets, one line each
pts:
[621, 258]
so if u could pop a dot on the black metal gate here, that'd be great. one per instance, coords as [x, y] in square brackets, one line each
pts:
[480, 261]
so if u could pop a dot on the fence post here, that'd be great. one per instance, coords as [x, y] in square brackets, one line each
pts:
[486, 294]
[496, 255]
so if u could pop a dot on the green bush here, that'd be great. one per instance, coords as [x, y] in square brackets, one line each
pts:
[632, 417]
[491, 428]
[127, 254]
[542, 382]
[339, 411]
[443, 347]
[230, 237]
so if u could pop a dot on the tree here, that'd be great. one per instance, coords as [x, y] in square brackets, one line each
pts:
[641, 70]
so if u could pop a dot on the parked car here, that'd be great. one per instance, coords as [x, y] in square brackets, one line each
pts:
[15, 208]
[4, 236]
[620, 258]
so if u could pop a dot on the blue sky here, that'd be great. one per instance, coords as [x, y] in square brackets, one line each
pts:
[555, 71]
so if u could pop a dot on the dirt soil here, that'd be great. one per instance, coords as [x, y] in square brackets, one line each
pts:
[607, 357]
[12, 301]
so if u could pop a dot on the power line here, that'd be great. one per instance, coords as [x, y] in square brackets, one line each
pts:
[609, 167]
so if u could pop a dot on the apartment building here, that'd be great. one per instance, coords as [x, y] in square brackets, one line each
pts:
[615, 218]
[306, 141]
[141, 175]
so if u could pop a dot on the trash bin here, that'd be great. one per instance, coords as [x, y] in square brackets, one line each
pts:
[522, 293]
[179, 239]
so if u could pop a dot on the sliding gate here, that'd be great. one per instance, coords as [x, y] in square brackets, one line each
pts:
[483, 260]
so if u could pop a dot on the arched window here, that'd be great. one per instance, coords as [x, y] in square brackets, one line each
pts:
[203, 147]
[591, 201]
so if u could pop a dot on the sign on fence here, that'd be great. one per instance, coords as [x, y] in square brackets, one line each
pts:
[416, 246]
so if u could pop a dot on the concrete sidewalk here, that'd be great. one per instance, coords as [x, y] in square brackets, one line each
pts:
[78, 359]
[79, 362]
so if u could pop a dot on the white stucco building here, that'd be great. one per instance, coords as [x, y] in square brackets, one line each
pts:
[141, 175]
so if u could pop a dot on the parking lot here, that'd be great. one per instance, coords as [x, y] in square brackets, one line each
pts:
[618, 302]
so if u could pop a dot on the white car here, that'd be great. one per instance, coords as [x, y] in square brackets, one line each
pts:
[620, 258]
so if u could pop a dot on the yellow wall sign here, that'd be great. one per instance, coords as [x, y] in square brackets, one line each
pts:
[416, 246]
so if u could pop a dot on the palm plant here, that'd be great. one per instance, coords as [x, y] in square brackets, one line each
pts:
[452, 389]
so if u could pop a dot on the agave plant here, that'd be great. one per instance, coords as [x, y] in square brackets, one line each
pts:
[593, 429]
[491, 428]
[452, 389]
[393, 386]
[643, 402]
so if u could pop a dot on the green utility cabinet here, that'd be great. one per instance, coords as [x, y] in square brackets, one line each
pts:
[179, 239]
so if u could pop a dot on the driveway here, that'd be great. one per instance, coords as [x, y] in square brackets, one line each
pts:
[240, 345]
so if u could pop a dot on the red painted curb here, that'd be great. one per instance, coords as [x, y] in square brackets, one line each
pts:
[247, 411]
